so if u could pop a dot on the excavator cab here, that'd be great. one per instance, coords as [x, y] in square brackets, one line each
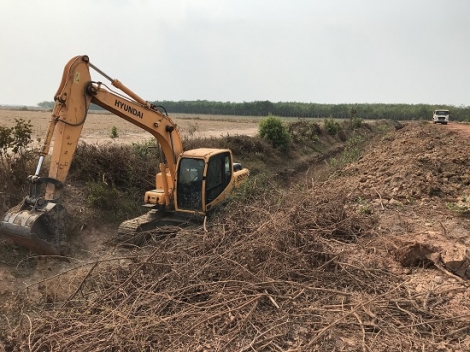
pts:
[205, 179]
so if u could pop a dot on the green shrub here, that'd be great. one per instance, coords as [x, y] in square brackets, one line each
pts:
[331, 126]
[304, 131]
[113, 202]
[273, 130]
[100, 195]
[114, 132]
[116, 176]
[356, 123]
[16, 138]
[351, 152]
[16, 161]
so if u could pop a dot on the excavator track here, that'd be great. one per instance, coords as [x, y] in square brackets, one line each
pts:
[137, 231]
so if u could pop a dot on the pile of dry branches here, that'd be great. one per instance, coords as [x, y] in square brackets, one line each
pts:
[291, 272]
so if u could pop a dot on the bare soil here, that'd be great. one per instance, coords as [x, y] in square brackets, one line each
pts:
[461, 128]
[414, 182]
[97, 128]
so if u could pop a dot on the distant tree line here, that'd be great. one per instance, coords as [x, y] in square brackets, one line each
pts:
[307, 110]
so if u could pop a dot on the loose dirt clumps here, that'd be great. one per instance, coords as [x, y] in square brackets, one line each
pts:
[418, 162]
[371, 257]
[418, 180]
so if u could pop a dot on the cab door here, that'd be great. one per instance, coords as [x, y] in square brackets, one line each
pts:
[218, 177]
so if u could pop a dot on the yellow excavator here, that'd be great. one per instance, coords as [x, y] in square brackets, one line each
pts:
[188, 183]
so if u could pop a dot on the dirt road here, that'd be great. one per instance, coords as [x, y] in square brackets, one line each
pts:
[461, 128]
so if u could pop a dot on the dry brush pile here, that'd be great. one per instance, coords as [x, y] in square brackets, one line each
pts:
[289, 272]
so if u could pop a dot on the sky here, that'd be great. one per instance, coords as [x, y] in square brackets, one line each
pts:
[312, 51]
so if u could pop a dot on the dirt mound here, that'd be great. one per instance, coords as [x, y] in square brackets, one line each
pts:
[418, 161]
[418, 180]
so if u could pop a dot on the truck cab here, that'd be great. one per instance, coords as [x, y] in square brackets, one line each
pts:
[441, 116]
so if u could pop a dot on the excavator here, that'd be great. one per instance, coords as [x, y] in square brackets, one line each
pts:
[188, 183]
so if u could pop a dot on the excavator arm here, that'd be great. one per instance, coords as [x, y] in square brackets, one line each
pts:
[73, 99]
[37, 222]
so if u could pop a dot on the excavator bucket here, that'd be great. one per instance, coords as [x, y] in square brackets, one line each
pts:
[36, 227]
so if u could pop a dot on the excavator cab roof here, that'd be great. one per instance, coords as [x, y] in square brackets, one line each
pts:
[203, 153]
